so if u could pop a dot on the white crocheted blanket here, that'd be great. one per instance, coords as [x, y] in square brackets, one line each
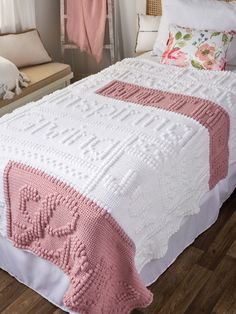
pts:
[148, 167]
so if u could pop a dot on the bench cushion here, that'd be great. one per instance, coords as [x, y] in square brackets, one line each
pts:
[40, 76]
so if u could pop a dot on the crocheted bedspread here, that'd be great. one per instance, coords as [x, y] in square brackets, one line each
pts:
[51, 219]
[209, 114]
[143, 142]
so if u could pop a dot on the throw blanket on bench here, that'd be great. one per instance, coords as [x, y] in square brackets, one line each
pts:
[139, 156]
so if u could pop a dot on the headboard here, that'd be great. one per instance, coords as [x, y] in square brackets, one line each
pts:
[154, 7]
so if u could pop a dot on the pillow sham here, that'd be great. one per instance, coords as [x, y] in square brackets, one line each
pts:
[23, 49]
[10, 79]
[147, 32]
[198, 14]
[201, 49]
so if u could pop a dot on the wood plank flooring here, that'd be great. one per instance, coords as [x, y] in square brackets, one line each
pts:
[202, 280]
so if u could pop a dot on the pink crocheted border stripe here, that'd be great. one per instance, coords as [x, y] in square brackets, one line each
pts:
[55, 222]
[206, 112]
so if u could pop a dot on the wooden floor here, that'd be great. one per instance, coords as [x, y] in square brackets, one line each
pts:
[202, 280]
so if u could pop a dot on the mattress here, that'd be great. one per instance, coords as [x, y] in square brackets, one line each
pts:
[53, 283]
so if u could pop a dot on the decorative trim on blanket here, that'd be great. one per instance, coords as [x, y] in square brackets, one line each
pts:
[207, 113]
[55, 222]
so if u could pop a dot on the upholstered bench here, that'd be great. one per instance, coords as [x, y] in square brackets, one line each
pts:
[44, 79]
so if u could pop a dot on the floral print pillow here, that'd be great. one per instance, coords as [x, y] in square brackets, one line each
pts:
[203, 50]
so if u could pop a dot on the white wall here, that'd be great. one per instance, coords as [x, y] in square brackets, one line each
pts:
[48, 24]
[129, 10]
[128, 25]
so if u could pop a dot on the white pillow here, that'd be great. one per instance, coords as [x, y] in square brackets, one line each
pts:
[23, 49]
[10, 79]
[162, 36]
[147, 32]
[198, 14]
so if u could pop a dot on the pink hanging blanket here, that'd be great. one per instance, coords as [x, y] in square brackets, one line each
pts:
[206, 112]
[51, 219]
[86, 25]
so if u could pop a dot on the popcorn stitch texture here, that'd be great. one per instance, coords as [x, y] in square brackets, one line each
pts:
[209, 114]
[57, 223]
[118, 154]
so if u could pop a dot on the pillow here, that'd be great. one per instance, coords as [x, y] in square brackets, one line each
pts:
[162, 36]
[201, 49]
[198, 14]
[10, 79]
[147, 32]
[23, 49]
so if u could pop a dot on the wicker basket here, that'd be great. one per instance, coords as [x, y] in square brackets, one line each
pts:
[154, 7]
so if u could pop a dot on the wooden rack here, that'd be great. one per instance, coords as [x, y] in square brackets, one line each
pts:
[112, 46]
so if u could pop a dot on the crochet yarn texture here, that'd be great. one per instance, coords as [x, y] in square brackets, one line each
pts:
[147, 166]
[51, 219]
[209, 114]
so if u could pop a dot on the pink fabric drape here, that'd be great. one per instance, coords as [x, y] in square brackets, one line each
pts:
[86, 25]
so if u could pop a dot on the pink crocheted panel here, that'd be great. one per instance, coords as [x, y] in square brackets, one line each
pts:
[207, 113]
[55, 222]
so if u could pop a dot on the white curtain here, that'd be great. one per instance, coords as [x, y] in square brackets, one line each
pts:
[16, 15]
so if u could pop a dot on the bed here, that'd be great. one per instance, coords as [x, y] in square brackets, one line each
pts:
[120, 168]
